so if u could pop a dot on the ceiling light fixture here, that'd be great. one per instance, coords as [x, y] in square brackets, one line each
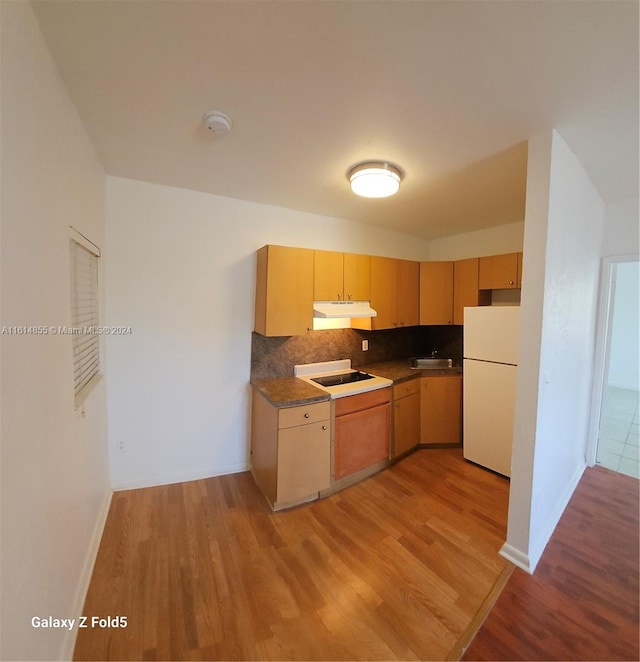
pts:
[375, 179]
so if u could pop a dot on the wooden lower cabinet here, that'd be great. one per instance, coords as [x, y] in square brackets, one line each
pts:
[441, 409]
[406, 416]
[290, 451]
[362, 431]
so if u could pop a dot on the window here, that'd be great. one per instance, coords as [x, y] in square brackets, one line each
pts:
[84, 313]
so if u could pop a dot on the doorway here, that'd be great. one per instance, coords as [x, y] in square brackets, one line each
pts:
[617, 382]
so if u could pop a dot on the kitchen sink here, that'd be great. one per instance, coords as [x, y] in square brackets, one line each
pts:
[430, 363]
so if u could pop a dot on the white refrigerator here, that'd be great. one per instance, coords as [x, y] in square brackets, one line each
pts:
[490, 365]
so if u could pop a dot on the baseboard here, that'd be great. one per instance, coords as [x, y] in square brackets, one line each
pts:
[536, 550]
[529, 560]
[516, 556]
[69, 642]
[182, 477]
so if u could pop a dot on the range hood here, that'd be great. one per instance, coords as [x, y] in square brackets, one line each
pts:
[335, 309]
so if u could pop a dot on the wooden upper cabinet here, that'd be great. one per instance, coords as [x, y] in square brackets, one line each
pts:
[466, 288]
[436, 293]
[384, 292]
[328, 276]
[408, 305]
[357, 277]
[498, 272]
[341, 276]
[395, 292]
[519, 281]
[403, 292]
[284, 291]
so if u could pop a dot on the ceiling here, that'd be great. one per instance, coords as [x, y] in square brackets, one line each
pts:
[450, 91]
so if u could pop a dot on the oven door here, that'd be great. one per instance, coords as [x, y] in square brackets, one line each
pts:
[362, 431]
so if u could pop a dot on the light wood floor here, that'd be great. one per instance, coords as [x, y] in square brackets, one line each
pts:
[582, 601]
[395, 568]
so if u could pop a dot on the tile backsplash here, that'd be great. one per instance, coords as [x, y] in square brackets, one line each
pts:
[275, 357]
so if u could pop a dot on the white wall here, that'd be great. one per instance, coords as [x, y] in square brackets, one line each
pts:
[621, 234]
[563, 235]
[55, 486]
[490, 241]
[181, 273]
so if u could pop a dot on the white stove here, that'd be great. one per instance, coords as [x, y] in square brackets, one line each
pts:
[338, 378]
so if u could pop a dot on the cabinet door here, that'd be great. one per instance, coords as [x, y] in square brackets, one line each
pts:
[519, 276]
[408, 293]
[436, 293]
[327, 276]
[304, 461]
[384, 284]
[440, 409]
[264, 445]
[466, 288]
[284, 304]
[357, 277]
[406, 423]
[361, 439]
[498, 272]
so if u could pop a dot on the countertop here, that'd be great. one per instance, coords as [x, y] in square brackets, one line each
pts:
[400, 370]
[291, 391]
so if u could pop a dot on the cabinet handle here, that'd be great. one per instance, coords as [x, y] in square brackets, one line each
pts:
[350, 297]
[306, 415]
[339, 296]
[408, 388]
[510, 282]
[324, 427]
[397, 405]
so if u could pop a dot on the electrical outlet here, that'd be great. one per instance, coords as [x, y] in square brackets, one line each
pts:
[365, 345]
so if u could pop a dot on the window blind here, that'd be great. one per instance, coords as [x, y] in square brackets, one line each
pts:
[84, 316]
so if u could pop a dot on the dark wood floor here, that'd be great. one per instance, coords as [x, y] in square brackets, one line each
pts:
[395, 568]
[582, 601]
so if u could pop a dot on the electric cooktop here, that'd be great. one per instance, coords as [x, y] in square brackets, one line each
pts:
[338, 378]
[343, 378]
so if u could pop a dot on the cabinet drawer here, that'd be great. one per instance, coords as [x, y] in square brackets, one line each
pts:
[303, 414]
[351, 403]
[406, 388]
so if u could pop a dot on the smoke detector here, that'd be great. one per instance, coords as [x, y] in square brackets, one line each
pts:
[217, 122]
